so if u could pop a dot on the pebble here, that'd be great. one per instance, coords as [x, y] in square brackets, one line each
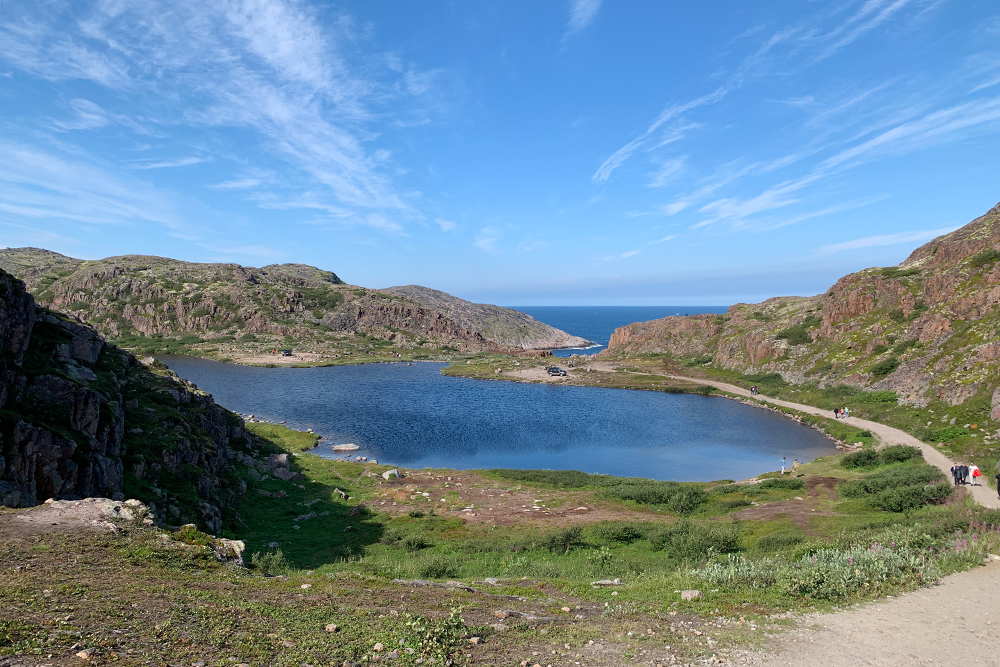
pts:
[332, 627]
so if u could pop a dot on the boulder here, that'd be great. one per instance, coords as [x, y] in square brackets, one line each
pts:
[287, 475]
[391, 474]
[276, 461]
[690, 595]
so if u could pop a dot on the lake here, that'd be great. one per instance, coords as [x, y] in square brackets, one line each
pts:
[414, 417]
[597, 323]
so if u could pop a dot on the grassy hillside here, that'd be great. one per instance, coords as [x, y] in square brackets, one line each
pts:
[394, 568]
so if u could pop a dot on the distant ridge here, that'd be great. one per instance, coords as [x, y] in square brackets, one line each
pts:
[228, 310]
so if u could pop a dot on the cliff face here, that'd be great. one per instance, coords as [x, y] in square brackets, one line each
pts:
[253, 308]
[927, 328]
[79, 417]
[500, 325]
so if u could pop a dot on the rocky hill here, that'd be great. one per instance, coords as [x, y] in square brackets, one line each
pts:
[80, 417]
[927, 328]
[231, 311]
[501, 325]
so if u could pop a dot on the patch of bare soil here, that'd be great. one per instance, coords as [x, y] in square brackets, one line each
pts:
[497, 502]
[63, 516]
[801, 510]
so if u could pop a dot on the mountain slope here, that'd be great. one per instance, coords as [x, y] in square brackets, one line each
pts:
[927, 328]
[231, 310]
[502, 325]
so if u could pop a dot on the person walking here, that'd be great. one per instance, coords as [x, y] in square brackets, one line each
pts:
[997, 478]
[836, 413]
[795, 468]
[847, 413]
[974, 472]
[964, 472]
[954, 473]
[784, 461]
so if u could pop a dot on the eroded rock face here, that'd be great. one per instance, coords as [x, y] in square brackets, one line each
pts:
[927, 329]
[76, 413]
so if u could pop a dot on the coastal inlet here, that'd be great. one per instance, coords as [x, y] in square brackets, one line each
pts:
[413, 416]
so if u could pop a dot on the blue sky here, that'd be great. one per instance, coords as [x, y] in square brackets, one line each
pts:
[576, 152]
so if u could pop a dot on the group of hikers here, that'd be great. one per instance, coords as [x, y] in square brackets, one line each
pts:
[753, 390]
[961, 474]
[841, 413]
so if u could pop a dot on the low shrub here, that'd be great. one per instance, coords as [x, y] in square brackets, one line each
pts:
[271, 563]
[879, 349]
[795, 335]
[907, 498]
[687, 541]
[437, 638]
[899, 453]
[416, 514]
[437, 568]
[778, 541]
[829, 574]
[415, 543]
[620, 532]
[561, 541]
[726, 488]
[741, 572]
[866, 458]
[913, 475]
[885, 367]
[790, 483]
[736, 504]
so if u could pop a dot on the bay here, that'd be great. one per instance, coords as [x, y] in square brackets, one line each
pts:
[412, 416]
[597, 323]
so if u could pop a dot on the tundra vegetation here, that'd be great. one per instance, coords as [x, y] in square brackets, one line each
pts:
[345, 548]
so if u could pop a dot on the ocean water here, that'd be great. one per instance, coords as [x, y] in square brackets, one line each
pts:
[597, 323]
[412, 416]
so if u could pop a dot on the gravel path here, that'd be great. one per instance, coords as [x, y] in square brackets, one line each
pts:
[956, 622]
[985, 495]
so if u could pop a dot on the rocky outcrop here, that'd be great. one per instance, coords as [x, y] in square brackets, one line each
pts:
[81, 418]
[926, 328]
[251, 309]
[504, 326]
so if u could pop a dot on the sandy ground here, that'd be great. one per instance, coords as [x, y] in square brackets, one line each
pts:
[984, 495]
[956, 622]
[539, 373]
[279, 360]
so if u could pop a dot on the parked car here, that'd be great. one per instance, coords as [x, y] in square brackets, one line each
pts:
[555, 370]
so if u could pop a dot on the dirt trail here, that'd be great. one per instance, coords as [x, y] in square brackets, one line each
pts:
[985, 495]
[953, 623]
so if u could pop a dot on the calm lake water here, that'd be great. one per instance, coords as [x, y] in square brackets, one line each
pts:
[597, 323]
[414, 417]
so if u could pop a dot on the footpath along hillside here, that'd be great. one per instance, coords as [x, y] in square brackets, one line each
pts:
[954, 622]
[985, 494]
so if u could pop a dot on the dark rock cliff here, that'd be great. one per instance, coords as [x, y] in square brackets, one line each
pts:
[80, 417]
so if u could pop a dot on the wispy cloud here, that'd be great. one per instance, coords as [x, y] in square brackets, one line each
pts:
[667, 172]
[671, 237]
[487, 239]
[888, 239]
[446, 225]
[624, 255]
[164, 164]
[669, 113]
[237, 184]
[581, 14]
[274, 68]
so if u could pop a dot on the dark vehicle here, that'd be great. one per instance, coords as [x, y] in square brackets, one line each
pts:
[286, 353]
[555, 370]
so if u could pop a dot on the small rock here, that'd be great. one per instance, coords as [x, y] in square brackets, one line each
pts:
[474, 640]
[332, 627]
[306, 586]
[391, 474]
[378, 647]
[274, 545]
[85, 655]
[689, 595]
